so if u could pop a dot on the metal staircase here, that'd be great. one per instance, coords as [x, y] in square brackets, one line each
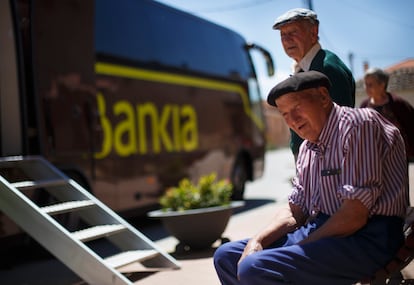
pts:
[25, 174]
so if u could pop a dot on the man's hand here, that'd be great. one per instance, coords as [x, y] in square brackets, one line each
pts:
[252, 246]
[286, 219]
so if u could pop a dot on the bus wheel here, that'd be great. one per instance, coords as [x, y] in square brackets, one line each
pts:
[238, 179]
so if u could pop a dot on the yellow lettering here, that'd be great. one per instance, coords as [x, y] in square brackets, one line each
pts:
[189, 131]
[125, 137]
[147, 109]
[146, 129]
[176, 127]
[106, 128]
[162, 132]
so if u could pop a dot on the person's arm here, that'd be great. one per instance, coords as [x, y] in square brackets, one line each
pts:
[350, 217]
[286, 220]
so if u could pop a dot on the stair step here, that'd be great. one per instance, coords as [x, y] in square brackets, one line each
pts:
[97, 232]
[67, 207]
[26, 185]
[128, 257]
[51, 234]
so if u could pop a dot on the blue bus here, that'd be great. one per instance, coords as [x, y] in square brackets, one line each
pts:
[128, 97]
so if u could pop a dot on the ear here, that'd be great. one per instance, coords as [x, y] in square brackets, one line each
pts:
[326, 99]
[315, 32]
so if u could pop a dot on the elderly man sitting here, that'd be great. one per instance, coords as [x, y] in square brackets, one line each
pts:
[344, 217]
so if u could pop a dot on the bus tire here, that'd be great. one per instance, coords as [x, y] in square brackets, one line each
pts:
[239, 178]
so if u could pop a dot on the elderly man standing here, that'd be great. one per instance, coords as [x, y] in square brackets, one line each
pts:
[344, 218]
[299, 32]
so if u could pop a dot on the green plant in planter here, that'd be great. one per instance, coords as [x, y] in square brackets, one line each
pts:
[208, 192]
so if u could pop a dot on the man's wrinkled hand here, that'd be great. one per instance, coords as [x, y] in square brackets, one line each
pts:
[251, 247]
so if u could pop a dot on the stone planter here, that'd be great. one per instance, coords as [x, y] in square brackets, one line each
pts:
[197, 228]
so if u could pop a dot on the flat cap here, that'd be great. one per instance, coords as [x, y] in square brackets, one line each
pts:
[297, 82]
[293, 15]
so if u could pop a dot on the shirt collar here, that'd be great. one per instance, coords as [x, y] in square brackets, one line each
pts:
[305, 63]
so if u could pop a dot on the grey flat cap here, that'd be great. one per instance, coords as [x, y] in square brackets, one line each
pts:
[297, 82]
[293, 15]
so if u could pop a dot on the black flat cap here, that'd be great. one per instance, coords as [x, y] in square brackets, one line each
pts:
[297, 82]
[294, 15]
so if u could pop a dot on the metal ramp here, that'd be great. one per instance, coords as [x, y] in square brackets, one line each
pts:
[24, 175]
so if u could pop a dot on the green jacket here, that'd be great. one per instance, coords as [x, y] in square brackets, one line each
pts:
[343, 85]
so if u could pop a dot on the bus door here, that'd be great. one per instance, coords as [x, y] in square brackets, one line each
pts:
[63, 71]
[10, 120]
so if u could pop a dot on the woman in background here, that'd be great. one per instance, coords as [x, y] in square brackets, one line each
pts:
[397, 110]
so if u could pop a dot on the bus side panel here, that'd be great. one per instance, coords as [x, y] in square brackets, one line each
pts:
[164, 131]
[173, 98]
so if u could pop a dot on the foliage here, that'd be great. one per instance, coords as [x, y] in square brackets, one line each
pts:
[208, 192]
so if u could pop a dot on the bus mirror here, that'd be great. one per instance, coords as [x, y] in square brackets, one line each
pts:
[266, 55]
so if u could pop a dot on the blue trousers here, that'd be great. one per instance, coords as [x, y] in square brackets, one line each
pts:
[328, 261]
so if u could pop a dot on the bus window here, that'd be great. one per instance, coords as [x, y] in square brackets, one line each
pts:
[158, 35]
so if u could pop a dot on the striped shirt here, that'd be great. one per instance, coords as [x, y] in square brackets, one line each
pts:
[359, 155]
